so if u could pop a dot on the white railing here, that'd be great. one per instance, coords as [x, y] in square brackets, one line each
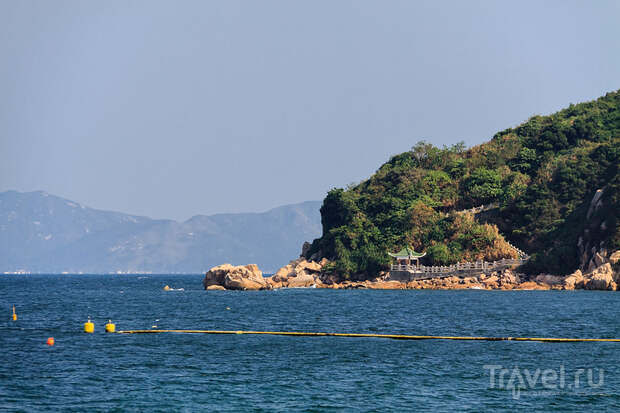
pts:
[466, 266]
[521, 253]
[478, 209]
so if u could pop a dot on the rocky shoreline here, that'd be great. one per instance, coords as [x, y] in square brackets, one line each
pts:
[301, 273]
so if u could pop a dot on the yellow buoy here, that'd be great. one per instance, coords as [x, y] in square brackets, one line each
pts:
[110, 327]
[89, 326]
[14, 314]
[167, 288]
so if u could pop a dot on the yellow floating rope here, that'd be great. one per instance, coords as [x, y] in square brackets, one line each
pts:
[392, 336]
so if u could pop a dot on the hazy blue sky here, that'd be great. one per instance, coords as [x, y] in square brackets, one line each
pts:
[176, 108]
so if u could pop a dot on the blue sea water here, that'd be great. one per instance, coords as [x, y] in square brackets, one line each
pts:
[183, 372]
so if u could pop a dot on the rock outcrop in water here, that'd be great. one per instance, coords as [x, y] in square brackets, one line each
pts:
[606, 276]
[298, 273]
[242, 277]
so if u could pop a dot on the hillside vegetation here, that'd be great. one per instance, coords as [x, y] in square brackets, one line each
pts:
[542, 174]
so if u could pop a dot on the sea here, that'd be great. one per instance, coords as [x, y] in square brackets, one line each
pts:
[260, 373]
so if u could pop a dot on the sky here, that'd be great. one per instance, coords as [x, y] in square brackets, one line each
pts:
[172, 109]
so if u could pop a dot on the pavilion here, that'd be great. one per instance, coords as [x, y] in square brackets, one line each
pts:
[406, 256]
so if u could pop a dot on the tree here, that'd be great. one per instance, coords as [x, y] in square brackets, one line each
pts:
[483, 185]
[438, 254]
[338, 209]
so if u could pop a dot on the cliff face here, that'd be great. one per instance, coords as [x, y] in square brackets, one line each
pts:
[600, 230]
[553, 181]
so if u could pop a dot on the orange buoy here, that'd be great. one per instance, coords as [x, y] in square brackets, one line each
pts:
[14, 314]
[50, 341]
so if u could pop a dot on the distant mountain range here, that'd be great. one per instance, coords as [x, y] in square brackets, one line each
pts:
[40, 232]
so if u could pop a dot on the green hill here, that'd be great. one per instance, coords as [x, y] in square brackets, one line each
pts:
[543, 176]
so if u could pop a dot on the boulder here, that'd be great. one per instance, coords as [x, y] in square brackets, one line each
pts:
[508, 277]
[532, 285]
[413, 285]
[601, 282]
[470, 280]
[318, 283]
[215, 287]
[283, 273]
[234, 282]
[602, 278]
[573, 281]
[358, 285]
[491, 281]
[274, 284]
[299, 273]
[242, 277]
[549, 279]
[386, 285]
[614, 258]
[309, 266]
[216, 275]
[451, 283]
[330, 279]
[301, 280]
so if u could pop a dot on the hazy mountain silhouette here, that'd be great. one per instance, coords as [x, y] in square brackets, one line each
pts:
[40, 232]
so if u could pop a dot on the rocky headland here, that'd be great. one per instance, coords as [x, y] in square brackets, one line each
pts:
[301, 273]
[550, 186]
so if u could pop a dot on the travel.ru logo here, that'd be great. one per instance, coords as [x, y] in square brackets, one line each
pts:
[519, 380]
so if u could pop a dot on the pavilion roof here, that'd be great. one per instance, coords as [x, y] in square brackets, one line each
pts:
[408, 253]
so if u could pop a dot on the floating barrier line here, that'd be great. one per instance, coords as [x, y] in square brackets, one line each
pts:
[391, 336]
